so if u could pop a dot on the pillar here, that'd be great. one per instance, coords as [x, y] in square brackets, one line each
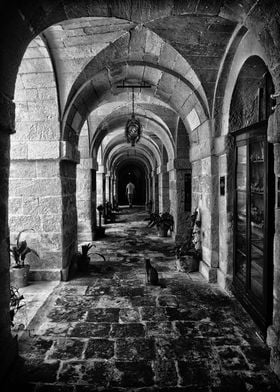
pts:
[107, 186]
[154, 178]
[86, 199]
[163, 187]
[8, 345]
[224, 150]
[99, 186]
[177, 170]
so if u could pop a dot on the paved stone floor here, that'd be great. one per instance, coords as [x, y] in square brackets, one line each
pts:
[111, 331]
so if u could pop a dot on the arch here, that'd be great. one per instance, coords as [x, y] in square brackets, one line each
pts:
[147, 150]
[121, 53]
[131, 171]
[248, 47]
[30, 19]
[254, 182]
[97, 84]
[151, 123]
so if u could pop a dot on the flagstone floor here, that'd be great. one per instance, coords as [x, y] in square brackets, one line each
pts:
[110, 331]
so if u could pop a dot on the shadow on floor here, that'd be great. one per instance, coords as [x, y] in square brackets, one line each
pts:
[110, 331]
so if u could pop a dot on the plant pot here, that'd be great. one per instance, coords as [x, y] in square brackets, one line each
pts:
[19, 276]
[162, 231]
[83, 263]
[187, 263]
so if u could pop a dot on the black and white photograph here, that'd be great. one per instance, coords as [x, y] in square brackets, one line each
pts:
[140, 195]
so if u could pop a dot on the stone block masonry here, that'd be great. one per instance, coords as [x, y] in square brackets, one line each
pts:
[35, 203]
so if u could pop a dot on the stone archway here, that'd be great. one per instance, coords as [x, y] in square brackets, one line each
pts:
[135, 173]
[27, 21]
[253, 197]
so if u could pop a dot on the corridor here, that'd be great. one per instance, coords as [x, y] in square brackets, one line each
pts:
[109, 330]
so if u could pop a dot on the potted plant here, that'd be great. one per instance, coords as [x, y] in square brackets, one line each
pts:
[188, 254]
[83, 258]
[99, 231]
[108, 214]
[164, 223]
[153, 219]
[15, 303]
[20, 270]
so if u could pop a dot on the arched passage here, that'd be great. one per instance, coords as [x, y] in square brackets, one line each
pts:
[29, 19]
[134, 172]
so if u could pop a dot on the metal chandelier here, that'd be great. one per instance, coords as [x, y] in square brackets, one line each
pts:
[133, 127]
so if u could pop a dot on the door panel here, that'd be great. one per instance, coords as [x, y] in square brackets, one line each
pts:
[253, 236]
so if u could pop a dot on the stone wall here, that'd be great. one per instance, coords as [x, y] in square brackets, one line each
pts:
[225, 226]
[35, 203]
[69, 212]
[84, 188]
[204, 196]
[35, 185]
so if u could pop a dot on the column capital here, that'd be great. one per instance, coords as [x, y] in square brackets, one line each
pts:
[94, 164]
[69, 152]
[178, 164]
[161, 169]
[88, 163]
[101, 169]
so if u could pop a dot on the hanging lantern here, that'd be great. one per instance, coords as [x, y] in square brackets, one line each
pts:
[133, 130]
[133, 126]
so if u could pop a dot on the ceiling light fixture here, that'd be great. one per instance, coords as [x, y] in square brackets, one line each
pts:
[133, 127]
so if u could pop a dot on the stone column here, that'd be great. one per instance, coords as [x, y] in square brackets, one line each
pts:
[8, 346]
[112, 188]
[69, 227]
[224, 150]
[93, 204]
[107, 186]
[155, 191]
[147, 189]
[37, 198]
[205, 172]
[177, 170]
[163, 186]
[115, 188]
[147, 184]
[99, 185]
[205, 196]
[151, 191]
[85, 199]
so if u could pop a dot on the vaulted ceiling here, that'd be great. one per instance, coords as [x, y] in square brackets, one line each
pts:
[179, 56]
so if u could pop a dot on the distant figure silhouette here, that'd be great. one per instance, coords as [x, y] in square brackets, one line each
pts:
[130, 192]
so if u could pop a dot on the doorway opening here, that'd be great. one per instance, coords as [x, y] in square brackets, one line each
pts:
[254, 192]
[136, 174]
